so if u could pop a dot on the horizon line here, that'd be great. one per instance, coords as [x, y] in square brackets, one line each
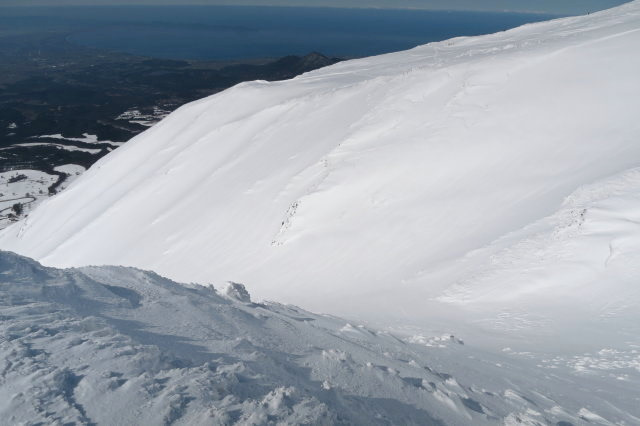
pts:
[425, 9]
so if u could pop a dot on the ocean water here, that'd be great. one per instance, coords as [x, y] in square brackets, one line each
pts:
[232, 33]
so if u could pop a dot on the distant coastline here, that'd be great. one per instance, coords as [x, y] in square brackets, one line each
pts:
[242, 33]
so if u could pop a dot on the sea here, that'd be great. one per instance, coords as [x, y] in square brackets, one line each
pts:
[247, 32]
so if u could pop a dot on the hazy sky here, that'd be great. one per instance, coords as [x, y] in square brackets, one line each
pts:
[545, 6]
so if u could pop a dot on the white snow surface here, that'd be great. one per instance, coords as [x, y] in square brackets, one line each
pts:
[87, 138]
[70, 169]
[59, 146]
[487, 187]
[115, 345]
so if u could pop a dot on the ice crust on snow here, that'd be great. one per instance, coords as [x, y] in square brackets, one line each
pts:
[114, 345]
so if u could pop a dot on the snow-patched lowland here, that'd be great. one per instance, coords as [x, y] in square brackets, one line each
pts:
[134, 115]
[486, 187]
[21, 191]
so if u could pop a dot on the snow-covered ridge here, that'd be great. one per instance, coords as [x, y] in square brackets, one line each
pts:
[113, 345]
[407, 182]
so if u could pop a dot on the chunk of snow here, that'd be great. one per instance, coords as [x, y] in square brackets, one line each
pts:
[236, 291]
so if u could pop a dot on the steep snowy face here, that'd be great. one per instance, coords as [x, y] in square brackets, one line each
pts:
[113, 345]
[415, 183]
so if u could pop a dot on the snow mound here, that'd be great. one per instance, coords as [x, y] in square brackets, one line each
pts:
[236, 291]
[114, 345]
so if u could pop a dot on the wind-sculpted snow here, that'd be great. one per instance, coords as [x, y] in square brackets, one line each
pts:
[114, 345]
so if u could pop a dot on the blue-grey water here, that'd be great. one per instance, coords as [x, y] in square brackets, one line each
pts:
[230, 33]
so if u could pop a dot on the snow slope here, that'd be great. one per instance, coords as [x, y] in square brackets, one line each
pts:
[485, 186]
[114, 345]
